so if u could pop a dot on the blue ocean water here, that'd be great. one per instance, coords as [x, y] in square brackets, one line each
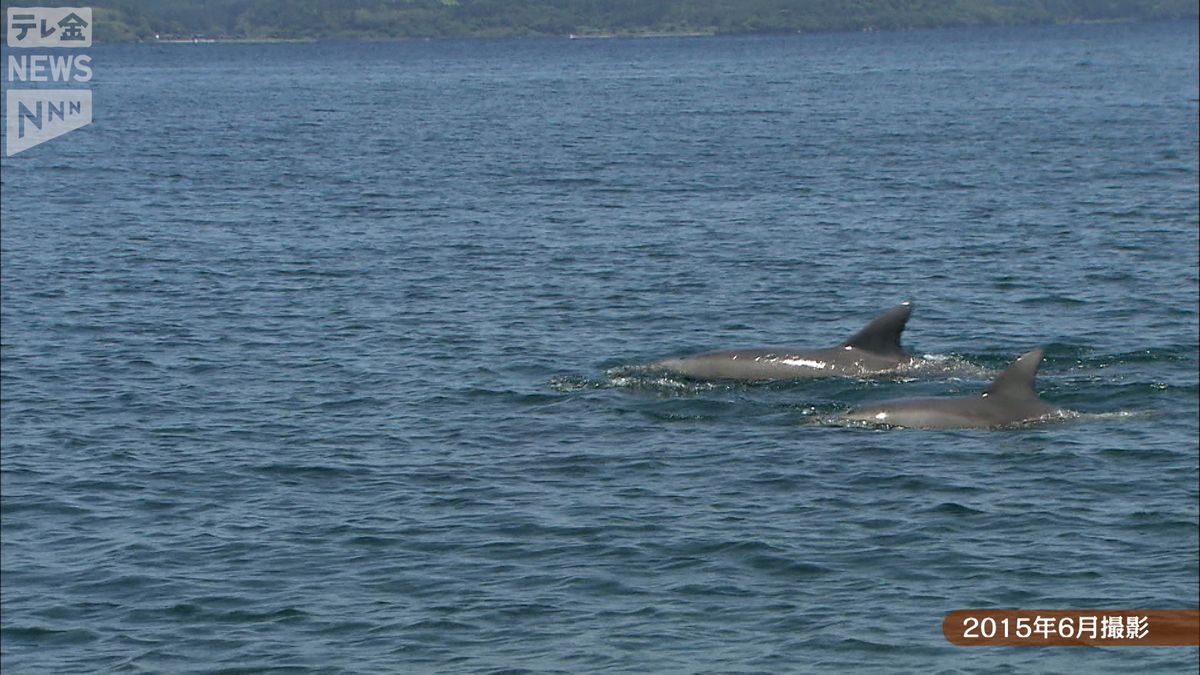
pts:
[314, 356]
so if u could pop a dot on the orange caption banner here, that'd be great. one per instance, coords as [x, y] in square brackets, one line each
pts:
[1073, 627]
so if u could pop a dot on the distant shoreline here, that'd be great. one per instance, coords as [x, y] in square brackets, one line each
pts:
[615, 35]
[210, 40]
[237, 21]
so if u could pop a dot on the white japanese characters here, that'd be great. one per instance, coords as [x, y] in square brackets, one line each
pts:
[34, 114]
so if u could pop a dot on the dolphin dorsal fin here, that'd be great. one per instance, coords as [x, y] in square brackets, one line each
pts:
[882, 335]
[1017, 380]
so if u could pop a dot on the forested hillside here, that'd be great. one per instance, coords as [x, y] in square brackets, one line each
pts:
[132, 20]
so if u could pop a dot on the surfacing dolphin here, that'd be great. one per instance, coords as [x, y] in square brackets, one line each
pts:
[1009, 401]
[873, 350]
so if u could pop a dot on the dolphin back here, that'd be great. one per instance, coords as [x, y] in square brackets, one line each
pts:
[1009, 400]
[882, 335]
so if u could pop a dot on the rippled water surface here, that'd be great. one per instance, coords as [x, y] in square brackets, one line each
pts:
[321, 357]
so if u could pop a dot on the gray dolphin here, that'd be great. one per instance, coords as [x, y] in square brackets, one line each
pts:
[874, 349]
[1010, 400]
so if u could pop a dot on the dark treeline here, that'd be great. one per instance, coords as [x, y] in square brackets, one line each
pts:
[133, 20]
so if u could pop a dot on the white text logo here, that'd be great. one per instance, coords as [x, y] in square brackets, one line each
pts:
[33, 115]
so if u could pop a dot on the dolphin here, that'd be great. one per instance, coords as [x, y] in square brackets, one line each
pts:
[874, 349]
[1010, 400]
